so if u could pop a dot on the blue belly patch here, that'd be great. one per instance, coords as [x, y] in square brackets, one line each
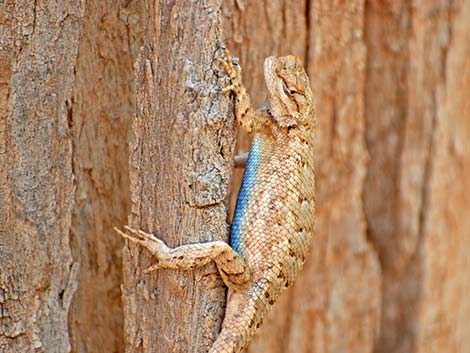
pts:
[249, 178]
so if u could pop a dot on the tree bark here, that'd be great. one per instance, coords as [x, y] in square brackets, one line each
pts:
[181, 155]
[39, 43]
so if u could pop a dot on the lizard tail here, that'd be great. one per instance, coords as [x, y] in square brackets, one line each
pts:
[243, 316]
[226, 343]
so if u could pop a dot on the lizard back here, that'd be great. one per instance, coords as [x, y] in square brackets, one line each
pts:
[273, 221]
[272, 229]
[274, 217]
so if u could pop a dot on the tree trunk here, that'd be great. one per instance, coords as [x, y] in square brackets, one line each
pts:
[417, 194]
[103, 104]
[65, 109]
[391, 173]
[181, 155]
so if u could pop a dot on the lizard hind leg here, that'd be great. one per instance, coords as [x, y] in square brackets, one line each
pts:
[231, 266]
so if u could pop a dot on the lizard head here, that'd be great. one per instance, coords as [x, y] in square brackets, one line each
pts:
[289, 94]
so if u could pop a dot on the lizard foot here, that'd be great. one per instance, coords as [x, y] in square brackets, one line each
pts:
[233, 71]
[149, 241]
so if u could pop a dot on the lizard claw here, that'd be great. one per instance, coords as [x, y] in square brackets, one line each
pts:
[151, 268]
[149, 241]
[140, 234]
[131, 238]
[230, 64]
[229, 88]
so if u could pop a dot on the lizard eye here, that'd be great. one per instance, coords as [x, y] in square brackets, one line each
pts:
[288, 90]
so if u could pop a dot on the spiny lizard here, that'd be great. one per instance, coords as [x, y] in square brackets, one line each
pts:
[274, 217]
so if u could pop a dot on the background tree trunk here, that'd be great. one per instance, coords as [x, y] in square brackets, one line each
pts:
[103, 104]
[66, 99]
[388, 265]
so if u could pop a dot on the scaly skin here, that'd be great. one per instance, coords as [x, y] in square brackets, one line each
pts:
[274, 217]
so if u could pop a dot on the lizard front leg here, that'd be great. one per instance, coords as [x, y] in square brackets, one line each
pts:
[250, 120]
[232, 268]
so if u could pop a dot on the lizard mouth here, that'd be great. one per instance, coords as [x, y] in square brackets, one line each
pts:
[271, 114]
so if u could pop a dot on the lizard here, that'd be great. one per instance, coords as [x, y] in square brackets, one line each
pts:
[273, 222]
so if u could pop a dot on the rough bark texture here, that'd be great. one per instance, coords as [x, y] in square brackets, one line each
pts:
[180, 167]
[39, 43]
